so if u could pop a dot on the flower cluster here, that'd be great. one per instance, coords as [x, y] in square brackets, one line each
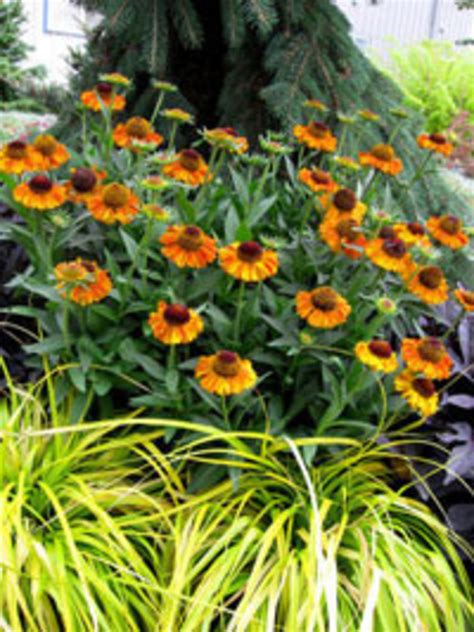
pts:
[186, 252]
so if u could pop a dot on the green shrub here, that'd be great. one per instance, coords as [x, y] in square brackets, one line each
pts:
[436, 79]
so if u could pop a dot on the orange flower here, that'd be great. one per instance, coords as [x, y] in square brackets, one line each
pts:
[316, 135]
[447, 229]
[413, 234]
[112, 203]
[419, 392]
[17, 157]
[135, 129]
[248, 261]
[378, 355]
[188, 167]
[343, 235]
[188, 246]
[430, 285]
[49, 153]
[84, 183]
[103, 96]
[466, 298]
[436, 143]
[322, 307]
[428, 356]
[381, 157]
[390, 254]
[225, 373]
[175, 324]
[40, 193]
[317, 180]
[82, 282]
[227, 138]
[343, 204]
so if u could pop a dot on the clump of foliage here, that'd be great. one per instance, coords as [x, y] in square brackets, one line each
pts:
[272, 210]
[13, 51]
[100, 528]
[436, 79]
[462, 130]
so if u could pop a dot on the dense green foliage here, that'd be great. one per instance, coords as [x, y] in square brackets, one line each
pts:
[436, 79]
[100, 530]
[13, 51]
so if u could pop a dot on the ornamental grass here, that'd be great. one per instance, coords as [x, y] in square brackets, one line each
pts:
[105, 526]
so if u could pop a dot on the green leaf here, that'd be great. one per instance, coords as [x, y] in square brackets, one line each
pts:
[243, 233]
[172, 381]
[130, 244]
[51, 344]
[78, 378]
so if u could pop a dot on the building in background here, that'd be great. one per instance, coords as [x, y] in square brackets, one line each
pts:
[378, 24]
[54, 26]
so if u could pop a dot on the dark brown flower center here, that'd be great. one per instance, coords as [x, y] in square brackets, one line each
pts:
[424, 387]
[345, 200]
[383, 152]
[83, 180]
[45, 144]
[348, 229]
[450, 224]
[431, 350]
[431, 277]
[190, 159]
[317, 129]
[439, 139]
[40, 184]
[249, 251]
[16, 150]
[468, 297]
[176, 314]
[415, 228]
[325, 299]
[380, 348]
[226, 364]
[115, 195]
[90, 266]
[394, 248]
[230, 131]
[191, 238]
[104, 89]
[320, 177]
[387, 232]
[137, 127]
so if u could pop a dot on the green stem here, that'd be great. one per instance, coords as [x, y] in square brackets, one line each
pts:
[394, 134]
[263, 179]
[225, 412]
[419, 171]
[158, 104]
[174, 128]
[305, 215]
[65, 326]
[172, 358]
[240, 304]
[454, 326]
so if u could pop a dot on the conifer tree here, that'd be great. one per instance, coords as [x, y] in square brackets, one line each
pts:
[249, 64]
[13, 52]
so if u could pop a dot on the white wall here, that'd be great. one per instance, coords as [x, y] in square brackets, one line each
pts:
[406, 21]
[53, 27]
